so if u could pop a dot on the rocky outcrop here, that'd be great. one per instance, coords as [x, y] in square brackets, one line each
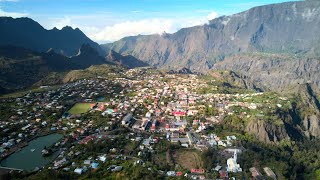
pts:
[308, 110]
[312, 125]
[273, 71]
[235, 79]
[125, 60]
[87, 56]
[181, 71]
[267, 132]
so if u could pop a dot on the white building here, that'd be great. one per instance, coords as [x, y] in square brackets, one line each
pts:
[232, 164]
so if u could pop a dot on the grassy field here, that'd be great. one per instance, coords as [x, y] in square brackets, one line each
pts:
[80, 108]
[188, 159]
[25, 92]
[21, 93]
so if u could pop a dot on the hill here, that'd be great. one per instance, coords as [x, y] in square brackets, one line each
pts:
[22, 67]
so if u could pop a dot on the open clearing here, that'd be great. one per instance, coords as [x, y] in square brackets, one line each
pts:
[188, 159]
[80, 108]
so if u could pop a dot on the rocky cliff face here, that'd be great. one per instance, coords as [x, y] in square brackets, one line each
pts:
[308, 110]
[125, 60]
[87, 56]
[287, 27]
[267, 132]
[272, 71]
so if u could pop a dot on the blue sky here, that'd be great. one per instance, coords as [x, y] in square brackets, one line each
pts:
[110, 20]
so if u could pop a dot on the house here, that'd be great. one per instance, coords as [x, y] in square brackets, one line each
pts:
[217, 168]
[197, 171]
[127, 119]
[87, 162]
[223, 174]
[171, 173]
[154, 124]
[182, 140]
[185, 145]
[146, 142]
[116, 168]
[94, 165]
[179, 173]
[178, 113]
[78, 171]
[102, 158]
[254, 172]
[270, 173]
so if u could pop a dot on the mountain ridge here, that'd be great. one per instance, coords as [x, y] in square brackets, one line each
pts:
[261, 29]
[21, 67]
[27, 33]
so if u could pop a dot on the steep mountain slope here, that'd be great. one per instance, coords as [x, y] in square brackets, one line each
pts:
[20, 68]
[306, 113]
[25, 32]
[126, 60]
[276, 28]
[87, 56]
[274, 71]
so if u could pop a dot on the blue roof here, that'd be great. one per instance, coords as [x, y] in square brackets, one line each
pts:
[94, 165]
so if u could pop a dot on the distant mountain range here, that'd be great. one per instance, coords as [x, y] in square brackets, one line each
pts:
[290, 28]
[27, 33]
[20, 67]
[280, 42]
[29, 53]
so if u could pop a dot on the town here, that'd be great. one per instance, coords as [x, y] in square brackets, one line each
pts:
[159, 122]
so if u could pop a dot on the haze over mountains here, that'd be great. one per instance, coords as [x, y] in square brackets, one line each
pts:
[268, 44]
[29, 53]
[22, 67]
[290, 29]
[277, 28]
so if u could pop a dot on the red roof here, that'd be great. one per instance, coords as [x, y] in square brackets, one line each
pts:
[178, 113]
[197, 171]
[102, 107]
[223, 174]
[179, 174]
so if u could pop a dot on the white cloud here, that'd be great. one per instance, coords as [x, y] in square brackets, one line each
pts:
[60, 22]
[145, 27]
[116, 29]
[131, 28]
[212, 15]
[12, 14]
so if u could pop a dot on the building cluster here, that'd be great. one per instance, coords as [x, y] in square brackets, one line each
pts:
[168, 105]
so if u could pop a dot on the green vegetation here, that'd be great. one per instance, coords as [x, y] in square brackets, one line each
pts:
[188, 159]
[80, 108]
[293, 161]
[100, 71]
[22, 93]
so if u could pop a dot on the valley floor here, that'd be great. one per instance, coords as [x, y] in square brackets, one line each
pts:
[147, 124]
